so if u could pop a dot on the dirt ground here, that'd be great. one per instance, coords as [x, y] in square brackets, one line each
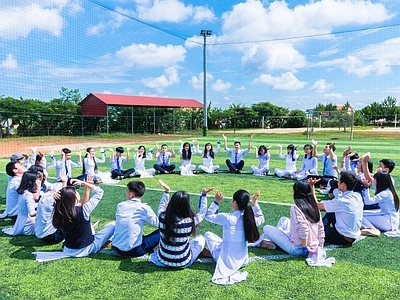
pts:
[9, 146]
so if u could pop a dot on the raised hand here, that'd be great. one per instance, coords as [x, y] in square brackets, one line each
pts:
[218, 196]
[164, 186]
[255, 197]
[206, 190]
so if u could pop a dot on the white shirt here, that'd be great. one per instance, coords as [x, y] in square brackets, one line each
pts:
[89, 163]
[237, 156]
[140, 161]
[66, 167]
[348, 209]
[12, 196]
[290, 163]
[130, 219]
[44, 216]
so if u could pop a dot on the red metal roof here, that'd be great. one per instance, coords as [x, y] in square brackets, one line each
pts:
[143, 101]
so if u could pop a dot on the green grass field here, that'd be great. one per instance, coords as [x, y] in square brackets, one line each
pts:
[368, 270]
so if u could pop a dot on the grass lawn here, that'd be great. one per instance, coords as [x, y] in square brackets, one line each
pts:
[369, 269]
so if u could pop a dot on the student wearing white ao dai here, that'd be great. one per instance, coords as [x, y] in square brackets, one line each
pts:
[291, 157]
[208, 156]
[231, 252]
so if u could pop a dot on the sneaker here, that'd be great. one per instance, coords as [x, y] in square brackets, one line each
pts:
[370, 232]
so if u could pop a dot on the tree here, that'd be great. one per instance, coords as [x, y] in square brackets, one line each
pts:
[297, 118]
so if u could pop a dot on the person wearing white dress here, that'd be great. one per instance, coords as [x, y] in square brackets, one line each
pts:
[291, 157]
[386, 218]
[140, 159]
[208, 156]
[263, 155]
[90, 168]
[28, 191]
[309, 165]
[186, 151]
[239, 228]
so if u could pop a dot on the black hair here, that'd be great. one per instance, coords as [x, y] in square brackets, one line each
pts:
[236, 142]
[332, 147]
[28, 182]
[86, 156]
[303, 198]
[242, 199]
[164, 145]
[311, 148]
[262, 147]
[137, 187]
[144, 153]
[293, 148]
[349, 179]
[65, 213]
[189, 152]
[119, 149]
[211, 152]
[388, 163]
[66, 150]
[178, 207]
[10, 167]
[383, 182]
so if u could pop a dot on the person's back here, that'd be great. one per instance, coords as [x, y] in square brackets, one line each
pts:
[44, 214]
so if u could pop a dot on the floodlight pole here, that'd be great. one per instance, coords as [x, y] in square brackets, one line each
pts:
[205, 33]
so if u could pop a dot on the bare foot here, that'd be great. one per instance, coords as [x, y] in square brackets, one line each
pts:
[205, 252]
[268, 245]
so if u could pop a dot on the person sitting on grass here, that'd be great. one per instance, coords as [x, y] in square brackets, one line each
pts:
[208, 156]
[65, 165]
[291, 157]
[29, 191]
[163, 165]
[239, 228]
[131, 217]
[329, 158]
[73, 218]
[263, 155]
[344, 212]
[386, 218]
[236, 163]
[309, 165]
[186, 151]
[304, 231]
[116, 161]
[177, 223]
[14, 170]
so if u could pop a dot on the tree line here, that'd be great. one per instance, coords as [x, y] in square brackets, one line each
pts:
[61, 116]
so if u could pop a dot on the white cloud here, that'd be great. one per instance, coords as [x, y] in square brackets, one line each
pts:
[151, 55]
[241, 88]
[220, 86]
[106, 92]
[20, 18]
[354, 65]
[321, 86]
[333, 96]
[10, 62]
[287, 81]
[104, 27]
[172, 11]
[196, 82]
[159, 84]
[276, 21]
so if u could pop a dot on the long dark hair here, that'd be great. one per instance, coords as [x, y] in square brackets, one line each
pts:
[292, 147]
[304, 200]
[311, 148]
[265, 150]
[28, 182]
[86, 156]
[144, 148]
[211, 152]
[383, 182]
[64, 213]
[242, 199]
[178, 207]
[189, 152]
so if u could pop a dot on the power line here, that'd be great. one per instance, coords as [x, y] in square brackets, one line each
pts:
[142, 22]
[305, 36]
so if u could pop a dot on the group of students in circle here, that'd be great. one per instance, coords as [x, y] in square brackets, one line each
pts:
[57, 213]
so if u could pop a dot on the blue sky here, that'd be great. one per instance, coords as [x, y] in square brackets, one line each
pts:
[294, 54]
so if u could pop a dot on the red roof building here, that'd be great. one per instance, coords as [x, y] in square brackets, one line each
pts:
[96, 105]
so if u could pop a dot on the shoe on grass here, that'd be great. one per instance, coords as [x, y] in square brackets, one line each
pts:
[370, 232]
